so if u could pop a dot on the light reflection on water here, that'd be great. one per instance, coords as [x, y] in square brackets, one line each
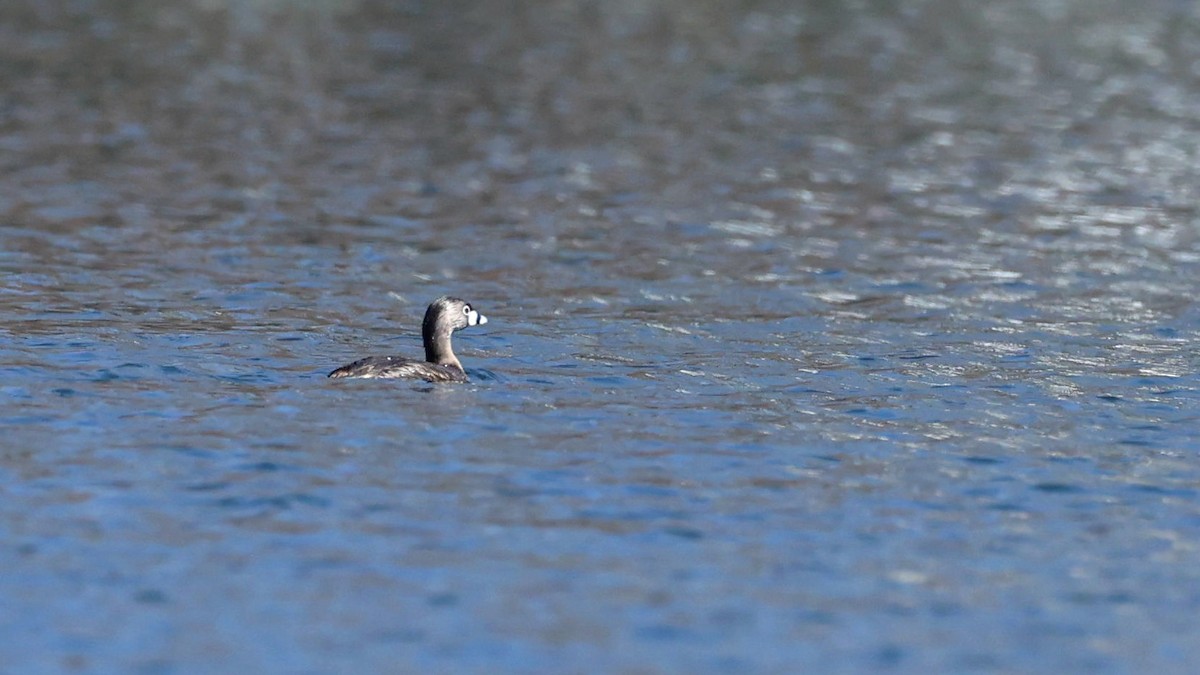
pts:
[829, 362]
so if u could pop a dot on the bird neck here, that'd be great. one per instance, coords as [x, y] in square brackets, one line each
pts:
[437, 347]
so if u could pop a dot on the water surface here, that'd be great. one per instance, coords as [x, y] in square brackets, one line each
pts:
[835, 339]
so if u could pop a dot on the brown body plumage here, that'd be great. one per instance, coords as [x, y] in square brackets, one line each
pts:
[444, 316]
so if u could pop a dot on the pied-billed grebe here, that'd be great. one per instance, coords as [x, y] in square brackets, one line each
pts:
[444, 316]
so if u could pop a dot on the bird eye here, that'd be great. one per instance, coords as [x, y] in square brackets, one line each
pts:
[466, 309]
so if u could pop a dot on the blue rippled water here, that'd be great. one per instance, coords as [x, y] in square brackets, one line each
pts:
[821, 340]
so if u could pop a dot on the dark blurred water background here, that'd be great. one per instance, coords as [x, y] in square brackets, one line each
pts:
[825, 337]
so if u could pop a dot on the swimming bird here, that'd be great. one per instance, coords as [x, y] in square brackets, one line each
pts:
[444, 316]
